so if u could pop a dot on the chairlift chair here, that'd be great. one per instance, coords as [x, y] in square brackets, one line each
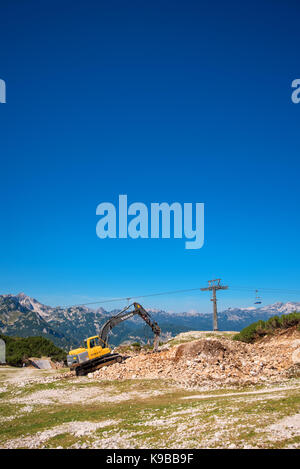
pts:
[257, 298]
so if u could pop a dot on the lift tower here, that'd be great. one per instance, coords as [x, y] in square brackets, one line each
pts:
[214, 285]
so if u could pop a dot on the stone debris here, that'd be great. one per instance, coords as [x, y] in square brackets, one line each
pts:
[212, 362]
[288, 427]
[78, 429]
[76, 395]
[296, 356]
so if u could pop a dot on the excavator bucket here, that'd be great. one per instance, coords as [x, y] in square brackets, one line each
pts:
[155, 343]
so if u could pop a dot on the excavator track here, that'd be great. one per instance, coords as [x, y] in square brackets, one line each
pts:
[93, 365]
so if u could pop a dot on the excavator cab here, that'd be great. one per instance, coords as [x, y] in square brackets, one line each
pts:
[95, 347]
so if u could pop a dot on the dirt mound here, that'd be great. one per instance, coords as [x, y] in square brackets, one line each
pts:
[213, 362]
[281, 336]
[212, 350]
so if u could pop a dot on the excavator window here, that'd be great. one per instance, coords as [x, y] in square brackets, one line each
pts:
[94, 342]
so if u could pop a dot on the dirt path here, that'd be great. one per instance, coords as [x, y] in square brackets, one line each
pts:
[244, 393]
[19, 375]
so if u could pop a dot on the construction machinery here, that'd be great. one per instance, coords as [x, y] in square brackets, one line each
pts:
[96, 352]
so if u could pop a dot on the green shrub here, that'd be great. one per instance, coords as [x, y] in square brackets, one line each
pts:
[273, 323]
[136, 345]
[258, 329]
[247, 334]
[290, 320]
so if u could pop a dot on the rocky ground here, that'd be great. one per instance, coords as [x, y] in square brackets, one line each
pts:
[214, 361]
[201, 391]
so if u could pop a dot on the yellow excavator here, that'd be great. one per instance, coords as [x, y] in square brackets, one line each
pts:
[96, 352]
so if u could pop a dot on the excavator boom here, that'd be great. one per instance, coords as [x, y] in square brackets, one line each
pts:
[126, 313]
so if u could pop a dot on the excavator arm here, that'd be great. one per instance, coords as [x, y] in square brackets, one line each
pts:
[127, 313]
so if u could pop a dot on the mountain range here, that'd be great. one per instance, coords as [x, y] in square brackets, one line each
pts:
[21, 315]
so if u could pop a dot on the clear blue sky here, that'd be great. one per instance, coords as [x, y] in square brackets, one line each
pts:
[164, 101]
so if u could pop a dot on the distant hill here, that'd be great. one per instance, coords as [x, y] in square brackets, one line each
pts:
[19, 349]
[21, 315]
[19, 320]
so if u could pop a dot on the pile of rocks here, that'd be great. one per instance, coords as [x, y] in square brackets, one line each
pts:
[211, 361]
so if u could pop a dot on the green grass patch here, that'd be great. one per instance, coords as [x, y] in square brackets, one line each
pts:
[66, 440]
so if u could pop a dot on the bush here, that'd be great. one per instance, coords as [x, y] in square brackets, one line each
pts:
[136, 345]
[258, 329]
[273, 323]
[290, 320]
[18, 349]
[247, 334]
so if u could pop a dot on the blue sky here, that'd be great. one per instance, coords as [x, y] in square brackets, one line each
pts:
[162, 101]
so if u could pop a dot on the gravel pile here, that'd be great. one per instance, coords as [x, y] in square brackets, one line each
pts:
[213, 361]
